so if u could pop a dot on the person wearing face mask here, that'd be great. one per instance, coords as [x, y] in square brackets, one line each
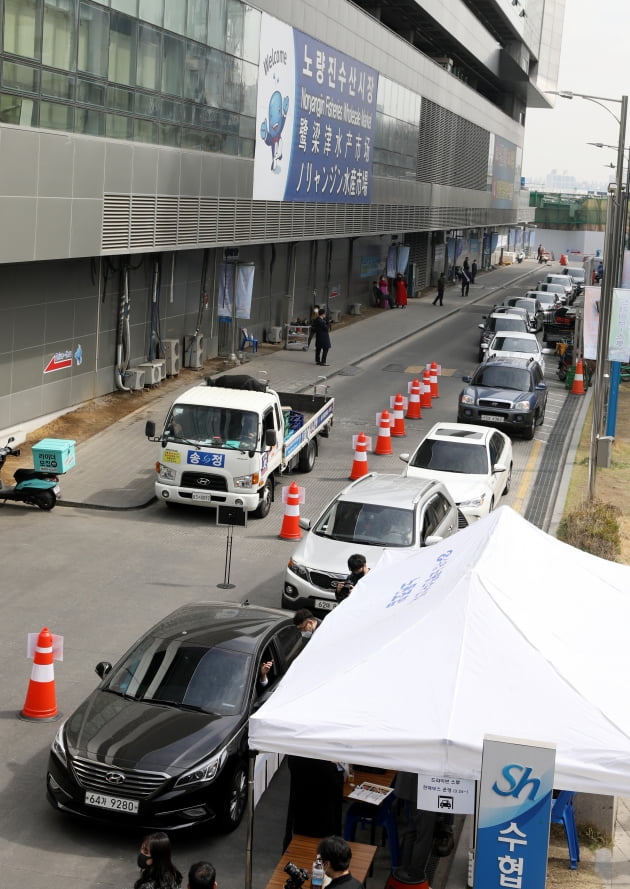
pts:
[155, 863]
[306, 622]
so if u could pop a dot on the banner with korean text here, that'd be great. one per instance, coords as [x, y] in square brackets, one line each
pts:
[619, 338]
[315, 121]
[514, 813]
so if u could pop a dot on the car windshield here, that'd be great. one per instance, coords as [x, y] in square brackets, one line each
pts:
[221, 427]
[503, 378]
[504, 323]
[513, 344]
[182, 672]
[448, 456]
[368, 524]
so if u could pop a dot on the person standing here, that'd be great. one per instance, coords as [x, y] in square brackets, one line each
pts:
[439, 299]
[473, 271]
[401, 292]
[311, 333]
[322, 338]
[466, 266]
[465, 281]
[202, 875]
[383, 286]
[357, 563]
[157, 868]
[315, 798]
[376, 295]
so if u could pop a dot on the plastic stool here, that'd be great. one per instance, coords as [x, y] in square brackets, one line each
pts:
[398, 879]
[562, 813]
[384, 816]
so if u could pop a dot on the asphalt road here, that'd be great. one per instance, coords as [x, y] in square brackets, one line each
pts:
[100, 578]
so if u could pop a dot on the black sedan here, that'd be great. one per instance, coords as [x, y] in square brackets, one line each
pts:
[506, 392]
[161, 743]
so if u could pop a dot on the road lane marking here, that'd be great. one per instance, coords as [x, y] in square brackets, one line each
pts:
[525, 481]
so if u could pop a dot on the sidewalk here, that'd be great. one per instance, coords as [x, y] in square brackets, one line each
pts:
[130, 484]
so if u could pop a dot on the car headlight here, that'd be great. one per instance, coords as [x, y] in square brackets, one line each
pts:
[298, 569]
[205, 772]
[243, 481]
[167, 473]
[522, 406]
[59, 745]
[474, 501]
[465, 398]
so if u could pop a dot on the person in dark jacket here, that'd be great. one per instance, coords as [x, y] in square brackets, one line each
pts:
[315, 798]
[322, 338]
[157, 868]
[473, 271]
[336, 855]
[439, 298]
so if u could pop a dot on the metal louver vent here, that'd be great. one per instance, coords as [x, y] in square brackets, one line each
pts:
[441, 158]
[145, 222]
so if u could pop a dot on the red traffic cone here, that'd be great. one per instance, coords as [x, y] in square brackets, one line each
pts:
[398, 427]
[41, 701]
[413, 409]
[360, 462]
[578, 380]
[384, 441]
[433, 374]
[425, 395]
[290, 529]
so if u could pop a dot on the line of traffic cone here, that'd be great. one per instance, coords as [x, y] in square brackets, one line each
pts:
[384, 441]
[425, 395]
[398, 426]
[360, 463]
[433, 377]
[413, 408]
[578, 380]
[290, 529]
[41, 699]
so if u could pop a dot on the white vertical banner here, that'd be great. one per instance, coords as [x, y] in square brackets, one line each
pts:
[244, 289]
[619, 338]
[591, 321]
[226, 290]
[625, 272]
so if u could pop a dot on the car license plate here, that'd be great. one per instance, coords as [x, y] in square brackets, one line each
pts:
[324, 604]
[113, 803]
[205, 498]
[492, 418]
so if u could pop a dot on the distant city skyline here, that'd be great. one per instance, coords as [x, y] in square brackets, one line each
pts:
[592, 62]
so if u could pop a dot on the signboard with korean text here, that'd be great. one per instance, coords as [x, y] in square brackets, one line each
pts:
[619, 337]
[514, 813]
[454, 796]
[315, 120]
[503, 173]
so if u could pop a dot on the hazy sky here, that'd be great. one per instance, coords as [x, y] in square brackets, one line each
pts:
[595, 60]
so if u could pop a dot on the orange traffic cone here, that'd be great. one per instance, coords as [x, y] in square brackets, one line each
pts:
[360, 462]
[413, 409]
[41, 701]
[398, 427]
[425, 395]
[384, 441]
[578, 380]
[433, 372]
[290, 529]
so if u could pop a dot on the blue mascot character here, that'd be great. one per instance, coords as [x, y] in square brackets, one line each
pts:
[277, 117]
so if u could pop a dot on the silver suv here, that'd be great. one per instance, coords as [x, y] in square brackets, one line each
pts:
[378, 512]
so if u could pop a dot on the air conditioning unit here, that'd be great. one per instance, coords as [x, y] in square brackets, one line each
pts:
[335, 315]
[355, 309]
[274, 334]
[134, 378]
[152, 373]
[172, 356]
[170, 348]
[194, 350]
[161, 364]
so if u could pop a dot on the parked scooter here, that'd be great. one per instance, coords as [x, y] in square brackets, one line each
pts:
[31, 485]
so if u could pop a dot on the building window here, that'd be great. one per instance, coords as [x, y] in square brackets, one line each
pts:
[149, 55]
[175, 16]
[18, 110]
[58, 86]
[216, 24]
[20, 77]
[128, 6]
[89, 122]
[90, 93]
[173, 65]
[20, 28]
[152, 11]
[59, 34]
[93, 40]
[117, 126]
[53, 116]
[119, 99]
[122, 42]
[145, 131]
[197, 21]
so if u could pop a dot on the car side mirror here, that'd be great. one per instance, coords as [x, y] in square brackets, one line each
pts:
[466, 379]
[271, 438]
[305, 524]
[432, 539]
[541, 386]
[499, 467]
[404, 458]
[481, 326]
[149, 429]
[102, 669]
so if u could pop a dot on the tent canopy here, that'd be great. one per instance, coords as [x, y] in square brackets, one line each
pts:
[500, 629]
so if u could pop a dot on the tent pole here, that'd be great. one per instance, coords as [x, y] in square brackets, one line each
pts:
[250, 820]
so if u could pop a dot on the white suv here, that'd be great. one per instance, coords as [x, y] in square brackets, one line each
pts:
[378, 512]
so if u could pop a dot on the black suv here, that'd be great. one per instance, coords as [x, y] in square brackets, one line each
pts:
[506, 392]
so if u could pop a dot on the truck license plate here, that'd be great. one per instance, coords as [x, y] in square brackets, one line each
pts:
[324, 604]
[204, 498]
[492, 418]
[113, 803]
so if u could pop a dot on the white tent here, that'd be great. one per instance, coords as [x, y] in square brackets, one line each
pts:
[498, 630]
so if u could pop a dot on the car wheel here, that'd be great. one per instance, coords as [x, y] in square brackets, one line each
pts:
[232, 806]
[508, 482]
[264, 504]
[528, 432]
[306, 460]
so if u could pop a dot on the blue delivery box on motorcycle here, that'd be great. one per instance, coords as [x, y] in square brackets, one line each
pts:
[54, 455]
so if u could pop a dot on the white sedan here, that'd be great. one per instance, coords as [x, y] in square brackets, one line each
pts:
[511, 344]
[474, 462]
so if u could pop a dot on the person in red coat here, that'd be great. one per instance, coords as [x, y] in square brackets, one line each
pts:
[401, 292]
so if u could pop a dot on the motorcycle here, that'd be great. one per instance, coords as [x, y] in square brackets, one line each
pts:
[31, 485]
[520, 257]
